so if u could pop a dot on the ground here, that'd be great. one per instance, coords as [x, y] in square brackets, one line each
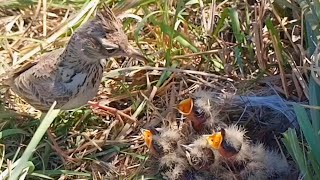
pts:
[235, 49]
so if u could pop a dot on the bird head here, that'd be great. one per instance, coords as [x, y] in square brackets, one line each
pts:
[185, 106]
[215, 140]
[105, 38]
[226, 147]
[193, 113]
[147, 137]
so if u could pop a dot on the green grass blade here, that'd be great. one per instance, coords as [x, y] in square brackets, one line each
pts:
[235, 24]
[59, 172]
[141, 24]
[315, 165]
[10, 132]
[288, 4]
[221, 22]
[313, 37]
[311, 136]
[312, 24]
[314, 92]
[48, 119]
[41, 176]
[2, 153]
[177, 36]
[290, 140]
[178, 11]
[165, 75]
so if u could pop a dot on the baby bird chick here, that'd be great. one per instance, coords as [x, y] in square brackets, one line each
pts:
[199, 154]
[175, 167]
[164, 146]
[199, 113]
[152, 142]
[193, 114]
[245, 160]
[204, 100]
[170, 139]
[163, 140]
[227, 143]
[265, 164]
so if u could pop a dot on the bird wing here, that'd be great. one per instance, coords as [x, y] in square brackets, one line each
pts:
[8, 77]
[46, 65]
[36, 82]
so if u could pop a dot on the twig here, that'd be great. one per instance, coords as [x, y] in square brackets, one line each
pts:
[112, 110]
[117, 72]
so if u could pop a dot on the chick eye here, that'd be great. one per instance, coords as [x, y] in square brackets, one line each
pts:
[199, 112]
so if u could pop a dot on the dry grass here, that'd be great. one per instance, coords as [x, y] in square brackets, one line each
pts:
[260, 53]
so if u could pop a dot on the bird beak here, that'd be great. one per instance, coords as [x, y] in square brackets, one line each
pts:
[143, 130]
[132, 52]
[207, 135]
[185, 106]
[215, 140]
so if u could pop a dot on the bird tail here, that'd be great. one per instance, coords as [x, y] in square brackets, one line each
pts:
[5, 80]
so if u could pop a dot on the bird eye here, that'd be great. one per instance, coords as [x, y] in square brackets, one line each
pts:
[111, 50]
[199, 112]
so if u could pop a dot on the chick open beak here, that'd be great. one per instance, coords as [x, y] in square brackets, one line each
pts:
[215, 140]
[132, 52]
[143, 131]
[185, 106]
[146, 137]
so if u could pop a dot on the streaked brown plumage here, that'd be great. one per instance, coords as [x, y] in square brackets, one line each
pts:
[71, 76]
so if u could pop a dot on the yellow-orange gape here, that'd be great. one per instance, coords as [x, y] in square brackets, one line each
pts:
[185, 106]
[215, 140]
[147, 136]
[193, 114]
[154, 148]
[225, 147]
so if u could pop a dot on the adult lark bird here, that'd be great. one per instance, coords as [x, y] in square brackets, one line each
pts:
[71, 76]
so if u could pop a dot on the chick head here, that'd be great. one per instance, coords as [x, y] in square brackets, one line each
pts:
[147, 137]
[227, 142]
[185, 106]
[196, 115]
[215, 140]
